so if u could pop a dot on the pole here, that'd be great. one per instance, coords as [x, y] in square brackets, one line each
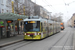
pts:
[24, 9]
[12, 7]
[14, 27]
[5, 24]
[17, 13]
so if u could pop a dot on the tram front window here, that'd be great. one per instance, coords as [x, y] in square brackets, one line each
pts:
[31, 26]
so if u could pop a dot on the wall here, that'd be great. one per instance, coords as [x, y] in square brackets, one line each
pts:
[71, 21]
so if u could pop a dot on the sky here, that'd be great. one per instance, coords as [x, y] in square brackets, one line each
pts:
[67, 7]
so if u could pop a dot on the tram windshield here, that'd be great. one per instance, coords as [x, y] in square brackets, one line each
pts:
[62, 25]
[31, 26]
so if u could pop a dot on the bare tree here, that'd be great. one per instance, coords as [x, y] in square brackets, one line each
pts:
[57, 17]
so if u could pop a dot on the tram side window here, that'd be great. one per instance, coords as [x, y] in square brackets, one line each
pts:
[24, 27]
[45, 26]
[50, 26]
[41, 27]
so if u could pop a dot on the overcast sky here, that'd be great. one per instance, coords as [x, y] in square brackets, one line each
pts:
[67, 7]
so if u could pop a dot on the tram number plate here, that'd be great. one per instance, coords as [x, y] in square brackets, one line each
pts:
[31, 35]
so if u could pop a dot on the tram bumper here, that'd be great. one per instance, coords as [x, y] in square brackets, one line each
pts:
[28, 37]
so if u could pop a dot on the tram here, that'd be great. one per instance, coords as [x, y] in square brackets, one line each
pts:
[39, 28]
[62, 26]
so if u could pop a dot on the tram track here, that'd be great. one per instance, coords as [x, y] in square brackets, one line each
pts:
[15, 44]
[63, 48]
[18, 45]
[22, 44]
[4, 45]
[59, 41]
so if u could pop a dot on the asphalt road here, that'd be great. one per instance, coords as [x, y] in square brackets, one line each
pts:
[59, 41]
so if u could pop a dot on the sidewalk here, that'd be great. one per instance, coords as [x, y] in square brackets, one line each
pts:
[74, 41]
[11, 40]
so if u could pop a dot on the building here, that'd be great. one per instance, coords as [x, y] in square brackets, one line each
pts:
[40, 11]
[29, 7]
[24, 7]
[71, 21]
[0, 7]
[5, 6]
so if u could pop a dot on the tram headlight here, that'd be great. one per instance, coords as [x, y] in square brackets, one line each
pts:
[28, 35]
[38, 33]
[35, 33]
[24, 33]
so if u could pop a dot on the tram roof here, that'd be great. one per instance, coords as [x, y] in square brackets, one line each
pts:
[40, 19]
[50, 21]
[11, 16]
[31, 20]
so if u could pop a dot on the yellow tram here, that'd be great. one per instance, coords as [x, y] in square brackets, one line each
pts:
[39, 28]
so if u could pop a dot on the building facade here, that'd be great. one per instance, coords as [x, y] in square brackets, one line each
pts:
[5, 6]
[71, 21]
[24, 7]
[40, 11]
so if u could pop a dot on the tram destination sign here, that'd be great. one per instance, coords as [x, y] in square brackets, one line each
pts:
[19, 19]
[9, 21]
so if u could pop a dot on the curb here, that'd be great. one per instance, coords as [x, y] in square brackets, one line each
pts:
[9, 43]
[74, 41]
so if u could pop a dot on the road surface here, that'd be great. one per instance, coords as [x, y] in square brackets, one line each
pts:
[59, 41]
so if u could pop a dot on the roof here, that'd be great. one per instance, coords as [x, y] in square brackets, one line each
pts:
[50, 21]
[11, 16]
[31, 20]
[40, 19]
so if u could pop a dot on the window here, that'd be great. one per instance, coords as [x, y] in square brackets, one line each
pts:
[2, 10]
[7, 10]
[74, 20]
[2, 1]
[31, 26]
[41, 26]
[8, 2]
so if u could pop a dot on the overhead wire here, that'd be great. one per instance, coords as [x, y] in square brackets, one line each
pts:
[65, 9]
[65, 6]
[48, 5]
[70, 3]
